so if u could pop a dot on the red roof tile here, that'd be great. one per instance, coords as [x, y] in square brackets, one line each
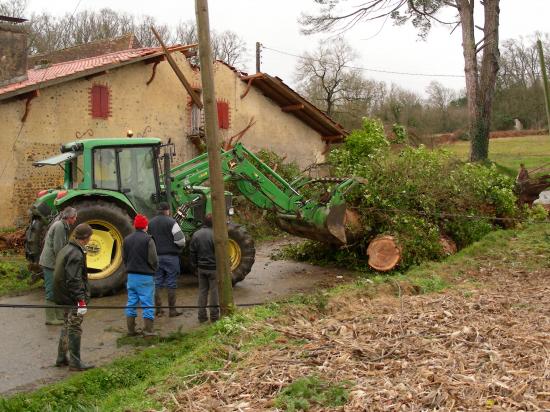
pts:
[59, 70]
[55, 73]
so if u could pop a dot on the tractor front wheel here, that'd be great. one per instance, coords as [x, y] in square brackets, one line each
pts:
[241, 251]
[110, 225]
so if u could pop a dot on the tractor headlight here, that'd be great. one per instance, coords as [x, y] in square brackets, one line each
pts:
[231, 211]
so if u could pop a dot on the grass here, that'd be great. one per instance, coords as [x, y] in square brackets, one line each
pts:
[145, 380]
[303, 392]
[509, 152]
[14, 276]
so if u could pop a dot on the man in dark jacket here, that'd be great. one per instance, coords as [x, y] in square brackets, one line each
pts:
[169, 240]
[71, 288]
[141, 261]
[56, 237]
[203, 259]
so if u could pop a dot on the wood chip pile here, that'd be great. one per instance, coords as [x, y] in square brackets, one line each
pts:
[486, 349]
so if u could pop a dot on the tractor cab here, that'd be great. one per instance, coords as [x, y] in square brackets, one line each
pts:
[104, 166]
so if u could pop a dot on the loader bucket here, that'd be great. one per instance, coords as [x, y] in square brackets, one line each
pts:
[336, 225]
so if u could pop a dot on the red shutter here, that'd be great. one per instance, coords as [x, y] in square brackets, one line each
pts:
[104, 102]
[96, 101]
[223, 115]
[100, 101]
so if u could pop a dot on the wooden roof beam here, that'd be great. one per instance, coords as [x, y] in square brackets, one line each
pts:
[293, 107]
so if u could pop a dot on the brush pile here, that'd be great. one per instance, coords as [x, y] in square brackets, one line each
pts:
[429, 202]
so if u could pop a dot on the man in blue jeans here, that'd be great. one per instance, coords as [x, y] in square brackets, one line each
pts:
[141, 261]
[169, 240]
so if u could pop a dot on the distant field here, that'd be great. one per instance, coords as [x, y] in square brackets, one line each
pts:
[509, 152]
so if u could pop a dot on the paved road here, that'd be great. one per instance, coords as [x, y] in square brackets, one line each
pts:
[28, 347]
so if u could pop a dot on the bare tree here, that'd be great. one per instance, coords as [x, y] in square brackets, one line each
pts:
[480, 56]
[228, 47]
[13, 8]
[324, 75]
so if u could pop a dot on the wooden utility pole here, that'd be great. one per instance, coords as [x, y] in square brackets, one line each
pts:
[544, 82]
[258, 56]
[213, 146]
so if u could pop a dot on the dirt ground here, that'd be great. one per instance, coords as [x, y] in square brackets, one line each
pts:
[29, 347]
[468, 348]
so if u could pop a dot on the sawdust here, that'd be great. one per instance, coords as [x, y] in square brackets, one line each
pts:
[481, 349]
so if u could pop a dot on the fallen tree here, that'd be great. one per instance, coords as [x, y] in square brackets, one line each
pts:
[418, 204]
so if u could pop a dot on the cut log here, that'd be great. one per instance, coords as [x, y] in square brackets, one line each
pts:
[384, 253]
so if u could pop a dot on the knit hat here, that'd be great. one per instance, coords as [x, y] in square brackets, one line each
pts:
[140, 222]
[82, 231]
[163, 206]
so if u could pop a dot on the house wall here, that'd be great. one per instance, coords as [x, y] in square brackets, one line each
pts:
[61, 114]
[275, 130]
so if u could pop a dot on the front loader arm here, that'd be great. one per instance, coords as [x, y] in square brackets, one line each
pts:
[261, 185]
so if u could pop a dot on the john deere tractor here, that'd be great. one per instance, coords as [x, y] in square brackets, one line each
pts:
[110, 180]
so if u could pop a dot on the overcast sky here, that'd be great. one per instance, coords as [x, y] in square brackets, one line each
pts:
[274, 24]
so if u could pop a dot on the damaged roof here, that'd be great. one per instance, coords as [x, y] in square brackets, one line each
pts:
[49, 75]
[272, 87]
[292, 102]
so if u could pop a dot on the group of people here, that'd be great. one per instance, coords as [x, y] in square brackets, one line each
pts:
[151, 256]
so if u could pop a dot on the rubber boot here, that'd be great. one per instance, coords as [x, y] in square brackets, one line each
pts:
[51, 317]
[131, 323]
[60, 314]
[158, 302]
[148, 331]
[75, 363]
[172, 302]
[62, 359]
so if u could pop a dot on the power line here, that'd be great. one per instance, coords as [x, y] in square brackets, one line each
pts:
[367, 68]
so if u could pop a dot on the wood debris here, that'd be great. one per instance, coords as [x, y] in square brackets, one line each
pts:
[488, 349]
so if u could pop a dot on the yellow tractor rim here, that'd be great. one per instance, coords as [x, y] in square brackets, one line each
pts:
[104, 252]
[234, 254]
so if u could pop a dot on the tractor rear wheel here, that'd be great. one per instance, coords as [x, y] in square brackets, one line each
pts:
[110, 224]
[241, 251]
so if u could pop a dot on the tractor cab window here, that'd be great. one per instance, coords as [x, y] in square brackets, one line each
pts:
[138, 177]
[77, 171]
[105, 176]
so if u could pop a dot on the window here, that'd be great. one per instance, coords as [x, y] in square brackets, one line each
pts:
[196, 119]
[223, 114]
[105, 175]
[99, 99]
[138, 178]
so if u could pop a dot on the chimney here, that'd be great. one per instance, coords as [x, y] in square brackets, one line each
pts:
[13, 50]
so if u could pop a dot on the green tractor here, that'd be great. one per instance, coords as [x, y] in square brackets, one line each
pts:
[110, 180]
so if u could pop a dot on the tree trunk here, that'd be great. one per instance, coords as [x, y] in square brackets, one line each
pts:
[384, 253]
[480, 82]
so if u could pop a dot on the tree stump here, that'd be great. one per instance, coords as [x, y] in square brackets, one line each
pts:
[384, 253]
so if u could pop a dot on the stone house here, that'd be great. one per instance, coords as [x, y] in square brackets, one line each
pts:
[120, 86]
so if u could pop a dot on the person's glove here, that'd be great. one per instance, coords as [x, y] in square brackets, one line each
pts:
[82, 309]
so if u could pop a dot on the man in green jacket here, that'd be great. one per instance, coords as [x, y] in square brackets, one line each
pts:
[56, 237]
[70, 287]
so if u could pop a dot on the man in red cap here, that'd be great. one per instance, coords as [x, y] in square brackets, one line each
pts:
[141, 261]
